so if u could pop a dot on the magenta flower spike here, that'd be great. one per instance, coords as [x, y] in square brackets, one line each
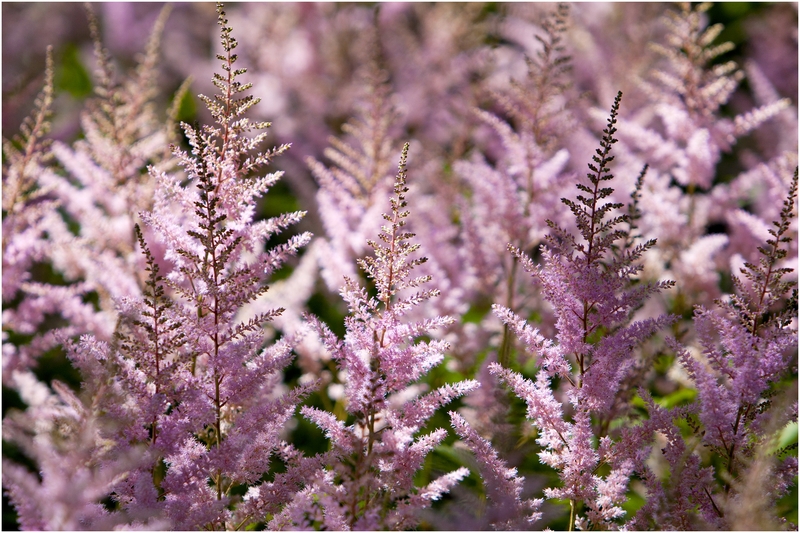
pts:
[374, 459]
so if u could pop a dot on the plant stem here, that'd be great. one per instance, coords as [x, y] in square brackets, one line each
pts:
[572, 515]
[504, 357]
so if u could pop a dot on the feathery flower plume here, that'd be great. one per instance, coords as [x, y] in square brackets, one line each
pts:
[229, 419]
[749, 344]
[349, 193]
[687, 136]
[512, 199]
[25, 208]
[593, 295]
[374, 459]
[101, 184]
[185, 383]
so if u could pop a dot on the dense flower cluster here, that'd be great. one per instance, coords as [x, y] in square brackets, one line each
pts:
[191, 342]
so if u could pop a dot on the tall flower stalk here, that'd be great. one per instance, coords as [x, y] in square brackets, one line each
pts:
[513, 197]
[749, 343]
[592, 290]
[214, 247]
[372, 461]
[25, 208]
[202, 386]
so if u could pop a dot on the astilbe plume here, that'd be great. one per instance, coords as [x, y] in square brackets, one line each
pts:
[593, 295]
[684, 140]
[351, 189]
[692, 92]
[184, 382]
[25, 208]
[106, 180]
[65, 433]
[372, 461]
[535, 103]
[749, 343]
[507, 510]
[348, 204]
[436, 113]
[98, 185]
[748, 221]
[513, 198]
[232, 409]
[514, 184]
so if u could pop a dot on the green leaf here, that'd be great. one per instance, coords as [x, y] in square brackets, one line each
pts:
[788, 435]
[71, 75]
[187, 108]
[633, 503]
[679, 397]
[476, 312]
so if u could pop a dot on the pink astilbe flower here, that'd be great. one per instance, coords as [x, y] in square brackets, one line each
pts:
[590, 286]
[375, 458]
[749, 343]
[25, 208]
[592, 292]
[352, 186]
[229, 404]
[77, 466]
[515, 183]
[187, 399]
[507, 511]
[693, 91]
[104, 183]
[151, 364]
[121, 138]
[350, 190]
[512, 199]
[683, 133]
